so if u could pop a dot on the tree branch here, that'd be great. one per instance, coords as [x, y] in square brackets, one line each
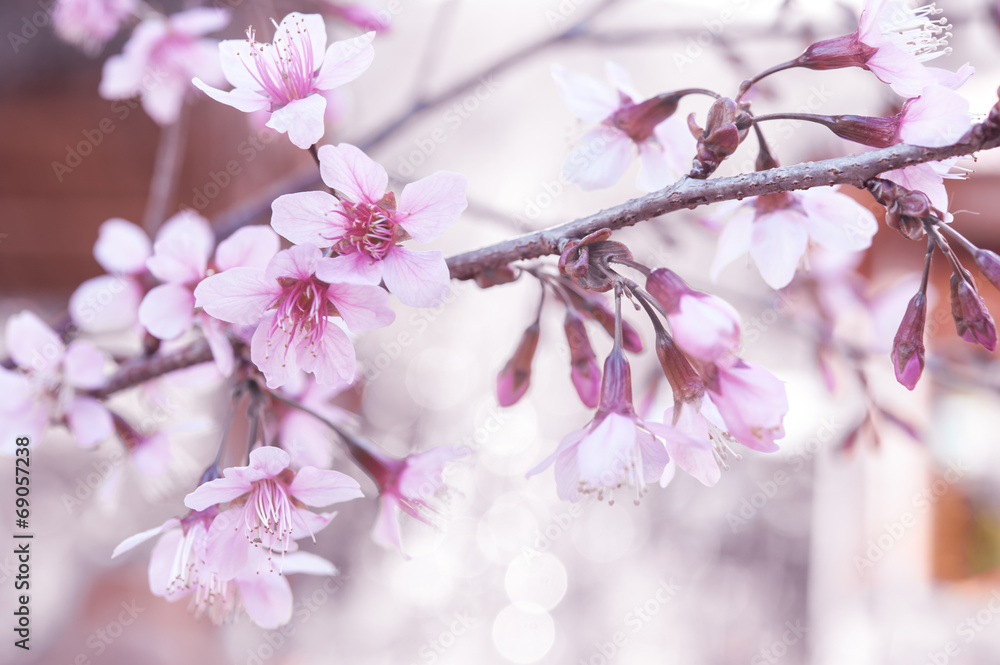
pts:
[687, 193]
[691, 193]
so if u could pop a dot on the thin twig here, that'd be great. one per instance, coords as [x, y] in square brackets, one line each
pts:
[166, 172]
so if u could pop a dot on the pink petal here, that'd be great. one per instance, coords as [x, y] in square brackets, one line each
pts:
[386, 530]
[237, 65]
[122, 247]
[105, 303]
[89, 421]
[656, 170]
[586, 97]
[938, 117]
[84, 365]
[228, 549]
[239, 295]
[418, 279]
[267, 599]
[836, 221]
[734, 240]
[653, 455]
[32, 344]
[334, 363]
[182, 249]
[167, 311]
[601, 161]
[218, 341]
[163, 101]
[302, 119]
[362, 307]
[349, 170]
[345, 61]
[271, 353]
[138, 539]
[311, 25]
[606, 448]
[298, 262]
[620, 79]
[310, 564]
[354, 268]
[17, 390]
[161, 564]
[241, 99]
[199, 20]
[779, 241]
[319, 487]
[220, 490]
[250, 246]
[923, 178]
[308, 218]
[430, 205]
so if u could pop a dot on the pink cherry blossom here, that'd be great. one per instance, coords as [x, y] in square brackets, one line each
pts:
[616, 447]
[45, 390]
[181, 259]
[266, 502]
[366, 226]
[89, 24]
[752, 403]
[704, 326]
[292, 311]
[180, 566]
[111, 302]
[284, 78]
[413, 485]
[776, 230]
[662, 140]
[160, 58]
[700, 461]
[893, 40]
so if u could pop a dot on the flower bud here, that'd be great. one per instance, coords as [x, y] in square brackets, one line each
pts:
[515, 377]
[972, 320]
[989, 265]
[596, 309]
[667, 287]
[866, 130]
[616, 386]
[705, 327]
[684, 380]
[639, 120]
[493, 276]
[836, 53]
[908, 346]
[585, 373]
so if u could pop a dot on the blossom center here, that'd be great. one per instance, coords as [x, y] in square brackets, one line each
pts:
[302, 309]
[268, 515]
[370, 230]
[284, 69]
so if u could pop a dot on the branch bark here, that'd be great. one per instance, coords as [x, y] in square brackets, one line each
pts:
[690, 193]
[687, 193]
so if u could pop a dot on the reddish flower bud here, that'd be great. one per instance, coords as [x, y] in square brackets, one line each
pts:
[667, 287]
[836, 53]
[493, 276]
[866, 130]
[972, 320]
[616, 386]
[989, 265]
[726, 126]
[585, 373]
[515, 377]
[586, 260]
[683, 378]
[908, 346]
[639, 120]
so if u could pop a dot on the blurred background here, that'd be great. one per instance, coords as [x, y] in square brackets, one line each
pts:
[873, 536]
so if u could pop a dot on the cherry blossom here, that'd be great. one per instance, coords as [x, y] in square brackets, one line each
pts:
[180, 566]
[160, 58]
[704, 326]
[286, 77]
[180, 260]
[664, 144]
[616, 447]
[893, 40]
[89, 24]
[111, 302]
[776, 230]
[412, 486]
[366, 226]
[45, 390]
[266, 502]
[751, 402]
[292, 311]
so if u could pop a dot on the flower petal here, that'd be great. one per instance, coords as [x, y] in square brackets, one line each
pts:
[32, 344]
[302, 119]
[267, 598]
[354, 268]
[430, 205]
[362, 307]
[138, 539]
[418, 279]
[345, 61]
[779, 241]
[167, 311]
[251, 247]
[308, 217]
[238, 295]
[105, 303]
[89, 421]
[320, 487]
[241, 99]
[349, 170]
[586, 97]
[84, 365]
[601, 161]
[122, 247]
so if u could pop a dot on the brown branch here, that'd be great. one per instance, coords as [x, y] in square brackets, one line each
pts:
[687, 193]
[691, 193]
